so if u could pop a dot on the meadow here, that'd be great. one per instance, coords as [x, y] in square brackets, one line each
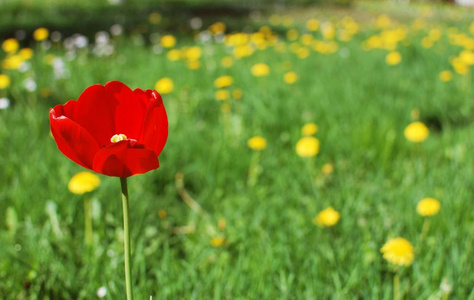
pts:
[228, 216]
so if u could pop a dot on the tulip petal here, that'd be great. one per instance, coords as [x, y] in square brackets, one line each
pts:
[95, 111]
[123, 159]
[72, 140]
[155, 126]
[130, 111]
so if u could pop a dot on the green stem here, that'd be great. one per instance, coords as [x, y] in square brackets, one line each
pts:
[88, 222]
[253, 169]
[396, 286]
[424, 233]
[126, 238]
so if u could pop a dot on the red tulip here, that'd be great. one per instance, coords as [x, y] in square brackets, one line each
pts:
[111, 129]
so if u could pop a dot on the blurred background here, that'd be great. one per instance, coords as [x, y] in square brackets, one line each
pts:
[303, 137]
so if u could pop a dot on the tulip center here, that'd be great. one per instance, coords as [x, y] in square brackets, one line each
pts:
[118, 137]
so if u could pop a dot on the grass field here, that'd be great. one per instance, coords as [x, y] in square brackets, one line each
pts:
[221, 220]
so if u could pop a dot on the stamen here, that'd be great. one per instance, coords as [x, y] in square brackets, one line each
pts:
[118, 137]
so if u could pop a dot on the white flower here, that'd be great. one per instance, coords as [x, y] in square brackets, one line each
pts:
[30, 84]
[4, 103]
[101, 292]
[195, 23]
[116, 29]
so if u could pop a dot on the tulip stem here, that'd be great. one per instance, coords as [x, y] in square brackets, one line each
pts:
[126, 238]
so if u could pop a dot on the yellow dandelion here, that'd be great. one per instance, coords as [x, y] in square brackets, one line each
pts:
[164, 86]
[292, 34]
[217, 242]
[83, 182]
[154, 18]
[257, 143]
[168, 41]
[416, 132]
[290, 77]
[393, 58]
[12, 62]
[174, 55]
[398, 251]
[10, 46]
[223, 81]
[162, 214]
[327, 169]
[307, 146]
[227, 61]
[312, 24]
[26, 53]
[41, 34]
[194, 64]
[260, 70]
[193, 53]
[446, 76]
[222, 95]
[237, 94]
[4, 81]
[309, 129]
[428, 207]
[327, 218]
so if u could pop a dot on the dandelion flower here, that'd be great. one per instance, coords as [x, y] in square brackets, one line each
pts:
[398, 251]
[428, 207]
[10, 46]
[446, 76]
[257, 143]
[327, 218]
[174, 55]
[393, 58]
[309, 129]
[4, 81]
[164, 86]
[154, 18]
[260, 70]
[327, 169]
[217, 242]
[290, 77]
[307, 146]
[227, 61]
[222, 95]
[168, 41]
[223, 81]
[312, 24]
[83, 182]
[41, 34]
[237, 94]
[26, 53]
[416, 132]
[162, 214]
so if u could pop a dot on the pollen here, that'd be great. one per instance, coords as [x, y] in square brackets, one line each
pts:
[118, 137]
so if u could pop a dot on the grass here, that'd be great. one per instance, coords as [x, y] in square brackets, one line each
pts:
[272, 249]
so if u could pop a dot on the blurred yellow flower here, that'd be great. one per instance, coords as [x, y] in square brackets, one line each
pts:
[26, 53]
[292, 34]
[194, 64]
[260, 69]
[193, 53]
[312, 24]
[257, 143]
[398, 251]
[162, 214]
[12, 62]
[223, 81]
[154, 18]
[83, 182]
[237, 94]
[416, 132]
[307, 146]
[40, 34]
[327, 169]
[428, 207]
[164, 86]
[217, 28]
[174, 55]
[168, 41]
[446, 76]
[467, 57]
[222, 224]
[227, 61]
[222, 95]
[309, 129]
[290, 77]
[327, 218]
[10, 45]
[217, 242]
[4, 81]
[393, 58]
